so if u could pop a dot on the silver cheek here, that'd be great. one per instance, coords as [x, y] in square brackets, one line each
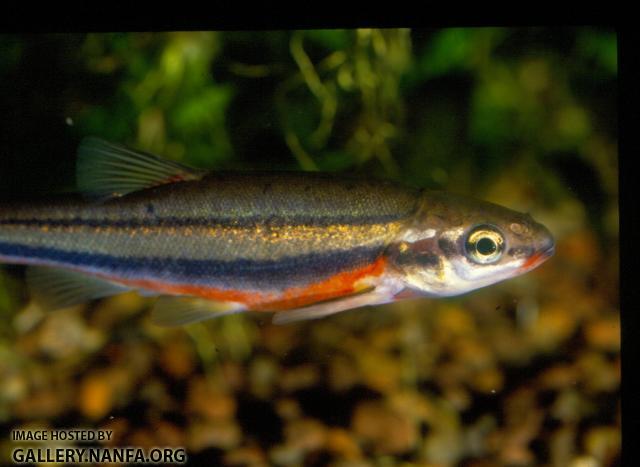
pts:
[458, 276]
[445, 281]
[434, 281]
[477, 275]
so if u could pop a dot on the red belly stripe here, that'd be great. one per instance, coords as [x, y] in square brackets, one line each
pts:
[336, 286]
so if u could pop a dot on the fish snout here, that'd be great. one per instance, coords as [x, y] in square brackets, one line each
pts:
[546, 249]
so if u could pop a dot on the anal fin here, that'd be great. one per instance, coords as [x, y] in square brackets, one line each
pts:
[61, 288]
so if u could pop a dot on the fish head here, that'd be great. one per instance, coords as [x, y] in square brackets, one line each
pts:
[456, 244]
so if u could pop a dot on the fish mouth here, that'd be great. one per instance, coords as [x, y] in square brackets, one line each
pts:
[539, 257]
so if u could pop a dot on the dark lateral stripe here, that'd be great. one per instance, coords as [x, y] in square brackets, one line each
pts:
[275, 221]
[237, 274]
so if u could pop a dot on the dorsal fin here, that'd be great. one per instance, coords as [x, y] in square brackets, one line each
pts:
[106, 170]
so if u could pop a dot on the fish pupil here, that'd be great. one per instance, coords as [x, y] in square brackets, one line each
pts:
[486, 246]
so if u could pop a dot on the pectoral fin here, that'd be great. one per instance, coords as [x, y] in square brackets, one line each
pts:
[178, 311]
[61, 288]
[320, 310]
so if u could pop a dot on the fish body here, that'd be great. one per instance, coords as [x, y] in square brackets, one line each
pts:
[308, 242]
[267, 240]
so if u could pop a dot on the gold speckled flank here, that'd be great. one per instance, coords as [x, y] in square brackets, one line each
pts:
[261, 230]
[260, 241]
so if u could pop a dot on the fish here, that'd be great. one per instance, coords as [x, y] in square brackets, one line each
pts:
[303, 245]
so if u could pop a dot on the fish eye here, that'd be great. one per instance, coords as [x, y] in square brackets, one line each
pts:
[484, 244]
